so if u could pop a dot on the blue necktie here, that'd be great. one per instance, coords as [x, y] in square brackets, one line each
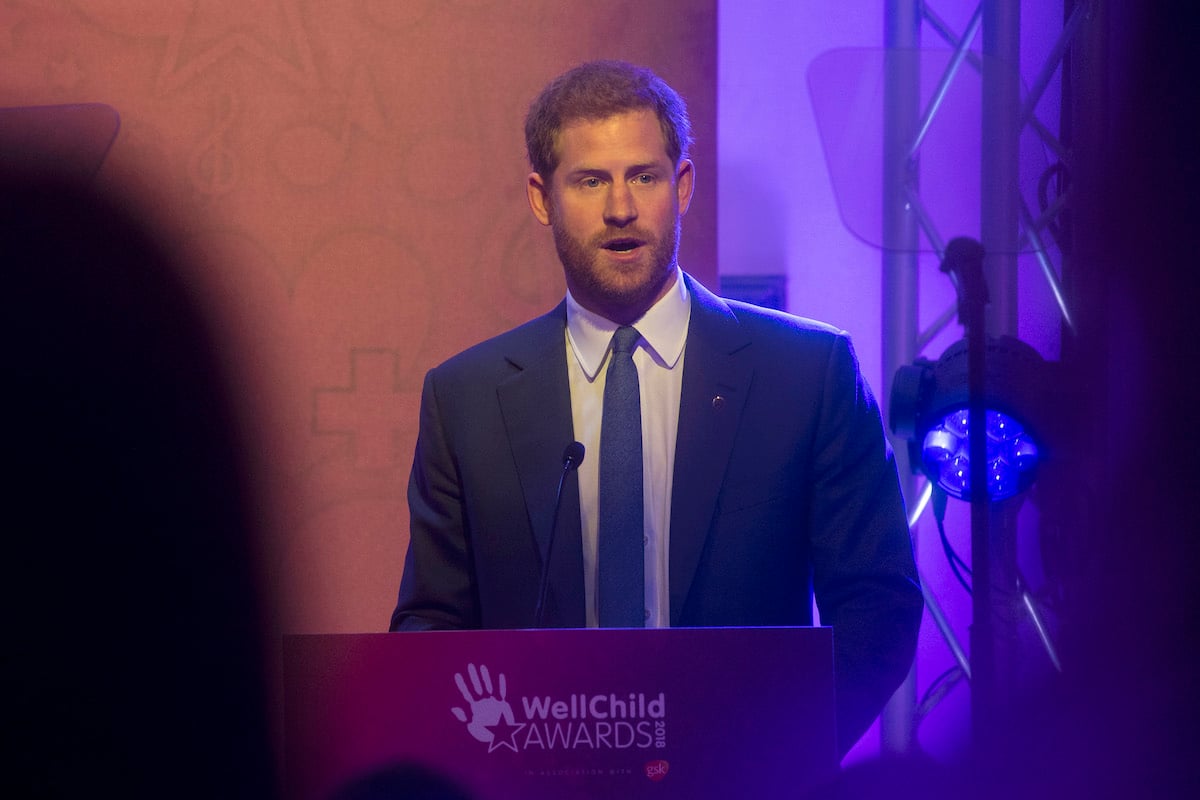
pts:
[621, 578]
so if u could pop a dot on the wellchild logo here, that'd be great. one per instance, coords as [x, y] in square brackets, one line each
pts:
[597, 721]
[491, 719]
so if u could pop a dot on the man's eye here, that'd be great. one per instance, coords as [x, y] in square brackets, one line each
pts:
[591, 183]
[644, 178]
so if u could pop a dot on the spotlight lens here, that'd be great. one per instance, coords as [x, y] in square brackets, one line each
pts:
[941, 445]
[1000, 426]
[1023, 452]
[956, 475]
[956, 422]
[1012, 455]
[1002, 478]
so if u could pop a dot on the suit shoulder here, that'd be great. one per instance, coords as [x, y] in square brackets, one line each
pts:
[526, 341]
[781, 325]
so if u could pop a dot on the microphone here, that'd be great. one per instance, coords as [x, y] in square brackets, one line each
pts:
[572, 458]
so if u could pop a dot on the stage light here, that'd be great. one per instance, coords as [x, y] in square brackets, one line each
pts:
[929, 408]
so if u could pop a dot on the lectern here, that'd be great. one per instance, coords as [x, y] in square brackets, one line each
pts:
[675, 713]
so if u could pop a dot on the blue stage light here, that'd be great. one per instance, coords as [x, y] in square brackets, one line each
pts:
[1012, 455]
[929, 408]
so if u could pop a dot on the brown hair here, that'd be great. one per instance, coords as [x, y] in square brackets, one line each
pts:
[597, 90]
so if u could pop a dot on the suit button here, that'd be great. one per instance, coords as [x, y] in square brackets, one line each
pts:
[718, 403]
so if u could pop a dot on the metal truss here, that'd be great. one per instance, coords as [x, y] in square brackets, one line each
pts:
[1008, 226]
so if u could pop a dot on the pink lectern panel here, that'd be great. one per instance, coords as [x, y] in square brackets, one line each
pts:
[677, 713]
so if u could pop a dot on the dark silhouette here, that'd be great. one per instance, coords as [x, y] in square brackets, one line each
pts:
[402, 782]
[133, 635]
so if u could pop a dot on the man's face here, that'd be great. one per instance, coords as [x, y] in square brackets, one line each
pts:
[614, 204]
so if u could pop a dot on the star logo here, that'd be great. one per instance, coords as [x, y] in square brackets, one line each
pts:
[504, 734]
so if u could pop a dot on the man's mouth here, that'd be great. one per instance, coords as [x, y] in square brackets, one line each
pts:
[622, 245]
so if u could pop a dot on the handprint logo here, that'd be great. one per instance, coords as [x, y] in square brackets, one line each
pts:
[491, 717]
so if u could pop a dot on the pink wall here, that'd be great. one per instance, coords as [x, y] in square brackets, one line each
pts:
[351, 178]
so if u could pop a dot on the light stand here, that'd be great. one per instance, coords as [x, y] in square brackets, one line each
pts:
[963, 262]
[974, 421]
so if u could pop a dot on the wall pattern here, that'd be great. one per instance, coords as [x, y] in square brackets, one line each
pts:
[347, 180]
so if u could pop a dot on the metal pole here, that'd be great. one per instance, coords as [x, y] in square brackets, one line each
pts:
[1000, 190]
[993, 534]
[902, 80]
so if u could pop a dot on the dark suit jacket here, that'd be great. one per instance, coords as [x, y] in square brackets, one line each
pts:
[784, 485]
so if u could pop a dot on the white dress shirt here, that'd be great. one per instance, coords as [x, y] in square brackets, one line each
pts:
[658, 357]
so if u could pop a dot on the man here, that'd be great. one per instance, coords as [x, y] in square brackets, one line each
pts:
[765, 473]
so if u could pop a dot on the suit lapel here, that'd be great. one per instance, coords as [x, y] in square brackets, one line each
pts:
[716, 379]
[536, 404]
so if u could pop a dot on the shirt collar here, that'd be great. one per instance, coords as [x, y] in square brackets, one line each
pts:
[663, 327]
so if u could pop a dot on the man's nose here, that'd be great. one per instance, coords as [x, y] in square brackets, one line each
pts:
[620, 210]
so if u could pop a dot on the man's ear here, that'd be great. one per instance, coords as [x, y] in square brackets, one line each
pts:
[685, 184]
[539, 197]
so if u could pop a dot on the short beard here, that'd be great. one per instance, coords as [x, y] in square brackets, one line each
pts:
[622, 301]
